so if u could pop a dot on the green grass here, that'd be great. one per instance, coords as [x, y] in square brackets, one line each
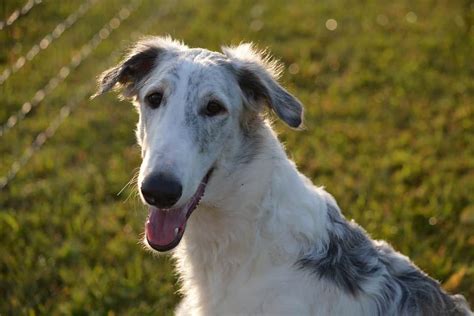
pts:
[389, 132]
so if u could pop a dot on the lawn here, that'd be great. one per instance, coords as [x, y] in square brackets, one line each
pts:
[389, 129]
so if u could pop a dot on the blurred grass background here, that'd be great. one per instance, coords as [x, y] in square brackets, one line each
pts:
[389, 96]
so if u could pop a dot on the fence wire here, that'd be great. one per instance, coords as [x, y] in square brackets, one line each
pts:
[47, 40]
[71, 105]
[66, 70]
[18, 13]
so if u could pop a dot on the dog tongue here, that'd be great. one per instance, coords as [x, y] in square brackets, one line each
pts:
[165, 226]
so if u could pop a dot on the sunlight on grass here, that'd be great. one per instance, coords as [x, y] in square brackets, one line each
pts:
[389, 125]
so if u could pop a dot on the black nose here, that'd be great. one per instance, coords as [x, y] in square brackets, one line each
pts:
[161, 190]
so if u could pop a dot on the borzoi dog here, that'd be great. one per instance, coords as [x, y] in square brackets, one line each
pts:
[250, 234]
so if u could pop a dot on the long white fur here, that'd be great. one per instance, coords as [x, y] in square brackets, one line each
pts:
[238, 255]
[241, 246]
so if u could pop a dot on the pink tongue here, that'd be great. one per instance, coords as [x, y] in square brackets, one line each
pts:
[161, 225]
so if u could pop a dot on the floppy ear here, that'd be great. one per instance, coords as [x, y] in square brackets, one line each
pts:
[257, 77]
[138, 63]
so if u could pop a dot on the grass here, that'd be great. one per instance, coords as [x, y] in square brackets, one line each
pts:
[389, 132]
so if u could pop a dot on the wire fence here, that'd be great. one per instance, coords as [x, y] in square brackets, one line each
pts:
[47, 40]
[18, 13]
[70, 106]
[64, 72]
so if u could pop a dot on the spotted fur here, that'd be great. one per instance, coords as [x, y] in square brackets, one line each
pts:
[263, 240]
[354, 263]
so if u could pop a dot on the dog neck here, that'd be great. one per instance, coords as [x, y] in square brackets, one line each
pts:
[240, 229]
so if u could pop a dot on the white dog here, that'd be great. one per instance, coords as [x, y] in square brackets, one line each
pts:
[250, 234]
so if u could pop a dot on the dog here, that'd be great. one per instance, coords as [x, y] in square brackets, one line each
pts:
[249, 233]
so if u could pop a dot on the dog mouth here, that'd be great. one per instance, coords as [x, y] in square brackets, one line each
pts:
[164, 228]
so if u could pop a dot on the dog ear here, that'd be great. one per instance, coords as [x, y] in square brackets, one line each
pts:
[138, 63]
[257, 76]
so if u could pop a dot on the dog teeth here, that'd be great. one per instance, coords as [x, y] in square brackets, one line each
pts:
[176, 231]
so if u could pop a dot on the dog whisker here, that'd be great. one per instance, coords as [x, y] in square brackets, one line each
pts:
[265, 230]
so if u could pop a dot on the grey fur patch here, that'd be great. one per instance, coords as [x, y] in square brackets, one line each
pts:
[191, 120]
[129, 73]
[419, 293]
[251, 142]
[351, 260]
[259, 87]
[174, 73]
[348, 259]
[202, 132]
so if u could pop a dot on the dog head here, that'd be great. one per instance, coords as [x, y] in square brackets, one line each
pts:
[197, 110]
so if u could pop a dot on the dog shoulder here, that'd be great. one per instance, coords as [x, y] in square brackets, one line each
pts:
[362, 268]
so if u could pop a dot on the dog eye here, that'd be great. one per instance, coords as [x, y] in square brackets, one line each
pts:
[214, 108]
[154, 99]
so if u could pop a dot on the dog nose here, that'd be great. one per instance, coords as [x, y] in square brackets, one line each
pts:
[161, 190]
